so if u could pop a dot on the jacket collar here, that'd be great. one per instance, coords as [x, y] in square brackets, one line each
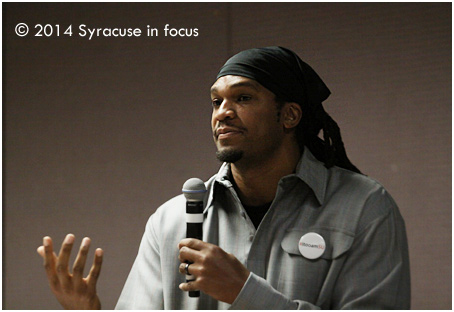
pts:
[314, 173]
[309, 170]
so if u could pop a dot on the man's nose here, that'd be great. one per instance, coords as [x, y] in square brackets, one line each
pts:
[225, 111]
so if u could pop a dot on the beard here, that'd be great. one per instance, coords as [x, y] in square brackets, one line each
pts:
[229, 155]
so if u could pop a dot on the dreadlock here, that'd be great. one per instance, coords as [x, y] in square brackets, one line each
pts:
[330, 150]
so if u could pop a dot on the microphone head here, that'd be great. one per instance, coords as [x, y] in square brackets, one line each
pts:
[194, 189]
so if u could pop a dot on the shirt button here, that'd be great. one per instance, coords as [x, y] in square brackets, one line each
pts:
[251, 237]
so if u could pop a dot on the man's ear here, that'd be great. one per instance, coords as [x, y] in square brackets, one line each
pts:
[291, 113]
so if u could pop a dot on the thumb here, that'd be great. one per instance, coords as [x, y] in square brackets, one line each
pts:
[40, 251]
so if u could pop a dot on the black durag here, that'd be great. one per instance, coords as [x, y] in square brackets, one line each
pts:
[281, 71]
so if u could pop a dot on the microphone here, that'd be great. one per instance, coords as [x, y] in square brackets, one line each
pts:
[194, 190]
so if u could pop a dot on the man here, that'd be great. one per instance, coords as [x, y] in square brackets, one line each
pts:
[289, 222]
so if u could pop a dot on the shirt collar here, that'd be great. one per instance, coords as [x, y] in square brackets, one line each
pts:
[314, 173]
[309, 170]
[222, 177]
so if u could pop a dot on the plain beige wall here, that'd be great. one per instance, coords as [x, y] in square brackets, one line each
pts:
[98, 133]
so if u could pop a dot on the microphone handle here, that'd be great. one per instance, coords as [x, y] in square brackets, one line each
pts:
[194, 229]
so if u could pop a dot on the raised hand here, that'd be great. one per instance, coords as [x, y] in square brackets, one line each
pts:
[73, 291]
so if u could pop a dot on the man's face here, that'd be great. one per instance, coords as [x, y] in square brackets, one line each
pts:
[245, 119]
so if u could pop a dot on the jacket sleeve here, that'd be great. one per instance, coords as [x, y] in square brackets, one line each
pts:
[376, 272]
[258, 294]
[144, 276]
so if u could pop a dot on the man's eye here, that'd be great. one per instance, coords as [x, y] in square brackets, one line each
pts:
[215, 103]
[244, 98]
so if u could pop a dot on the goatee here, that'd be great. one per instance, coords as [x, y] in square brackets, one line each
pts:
[229, 155]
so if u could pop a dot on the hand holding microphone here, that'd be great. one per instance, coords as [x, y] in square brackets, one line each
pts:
[207, 267]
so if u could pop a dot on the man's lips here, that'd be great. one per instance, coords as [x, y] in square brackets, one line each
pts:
[226, 132]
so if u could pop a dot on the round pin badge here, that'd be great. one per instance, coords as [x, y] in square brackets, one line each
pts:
[312, 245]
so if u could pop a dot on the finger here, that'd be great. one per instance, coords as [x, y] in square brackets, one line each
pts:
[192, 243]
[63, 260]
[40, 251]
[49, 262]
[189, 286]
[188, 254]
[192, 268]
[182, 268]
[79, 264]
[95, 270]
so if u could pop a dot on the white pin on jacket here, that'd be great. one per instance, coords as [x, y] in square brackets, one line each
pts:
[312, 245]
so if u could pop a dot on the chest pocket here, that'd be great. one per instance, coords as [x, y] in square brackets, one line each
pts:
[302, 278]
[337, 242]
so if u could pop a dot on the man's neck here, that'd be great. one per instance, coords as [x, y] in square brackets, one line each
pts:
[256, 183]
